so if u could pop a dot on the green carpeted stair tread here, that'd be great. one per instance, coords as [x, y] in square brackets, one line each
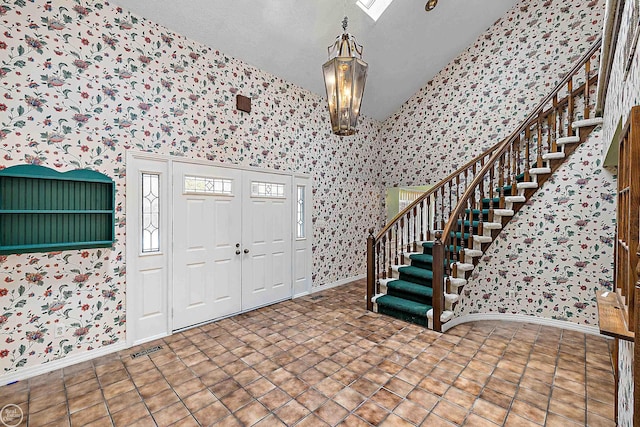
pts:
[495, 200]
[519, 178]
[422, 258]
[403, 305]
[474, 224]
[403, 315]
[477, 211]
[486, 203]
[410, 288]
[423, 261]
[507, 190]
[420, 273]
[507, 187]
[459, 235]
[428, 246]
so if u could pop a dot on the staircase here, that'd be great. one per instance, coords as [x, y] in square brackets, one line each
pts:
[419, 262]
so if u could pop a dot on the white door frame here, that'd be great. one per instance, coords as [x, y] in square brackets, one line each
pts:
[303, 287]
[302, 258]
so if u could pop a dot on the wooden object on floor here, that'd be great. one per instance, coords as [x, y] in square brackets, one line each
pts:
[611, 316]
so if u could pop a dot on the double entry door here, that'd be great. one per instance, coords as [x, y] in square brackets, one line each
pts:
[231, 241]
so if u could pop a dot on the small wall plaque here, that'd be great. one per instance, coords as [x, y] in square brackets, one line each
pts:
[243, 103]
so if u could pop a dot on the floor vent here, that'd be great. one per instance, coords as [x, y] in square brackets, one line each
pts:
[317, 297]
[146, 351]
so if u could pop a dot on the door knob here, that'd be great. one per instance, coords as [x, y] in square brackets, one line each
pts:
[237, 245]
[237, 251]
[246, 251]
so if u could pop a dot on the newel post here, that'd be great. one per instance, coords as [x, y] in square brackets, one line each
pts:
[438, 281]
[371, 269]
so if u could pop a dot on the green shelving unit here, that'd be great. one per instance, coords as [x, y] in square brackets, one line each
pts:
[43, 210]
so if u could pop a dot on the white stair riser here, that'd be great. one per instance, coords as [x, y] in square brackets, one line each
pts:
[553, 156]
[539, 171]
[444, 317]
[450, 300]
[515, 199]
[568, 140]
[596, 121]
[527, 185]
[456, 284]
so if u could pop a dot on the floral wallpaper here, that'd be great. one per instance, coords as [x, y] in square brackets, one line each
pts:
[83, 82]
[483, 94]
[623, 93]
[557, 251]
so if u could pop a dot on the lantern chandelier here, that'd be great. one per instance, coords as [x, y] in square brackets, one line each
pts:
[345, 74]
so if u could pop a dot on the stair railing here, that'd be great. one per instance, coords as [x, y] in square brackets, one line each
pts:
[417, 222]
[442, 208]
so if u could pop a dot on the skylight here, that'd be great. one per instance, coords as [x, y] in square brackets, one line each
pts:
[374, 8]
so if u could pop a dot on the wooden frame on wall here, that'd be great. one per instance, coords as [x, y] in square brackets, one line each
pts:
[631, 132]
[618, 310]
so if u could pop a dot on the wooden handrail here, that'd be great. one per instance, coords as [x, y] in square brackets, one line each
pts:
[500, 144]
[533, 116]
[434, 189]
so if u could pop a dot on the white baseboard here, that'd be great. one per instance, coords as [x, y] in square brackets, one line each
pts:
[148, 339]
[301, 294]
[337, 283]
[23, 374]
[562, 324]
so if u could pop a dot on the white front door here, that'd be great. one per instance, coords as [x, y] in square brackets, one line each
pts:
[266, 239]
[188, 227]
[207, 275]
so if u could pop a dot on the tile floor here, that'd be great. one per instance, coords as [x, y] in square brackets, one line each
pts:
[324, 360]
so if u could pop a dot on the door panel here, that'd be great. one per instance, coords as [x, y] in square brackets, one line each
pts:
[207, 271]
[195, 285]
[152, 301]
[266, 268]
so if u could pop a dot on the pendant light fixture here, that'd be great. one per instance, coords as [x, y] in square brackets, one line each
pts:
[345, 74]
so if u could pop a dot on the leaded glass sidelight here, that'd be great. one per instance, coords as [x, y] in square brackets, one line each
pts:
[300, 207]
[150, 212]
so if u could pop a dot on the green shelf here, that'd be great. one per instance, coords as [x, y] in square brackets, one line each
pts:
[44, 210]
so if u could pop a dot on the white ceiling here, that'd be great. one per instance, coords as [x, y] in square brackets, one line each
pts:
[405, 48]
